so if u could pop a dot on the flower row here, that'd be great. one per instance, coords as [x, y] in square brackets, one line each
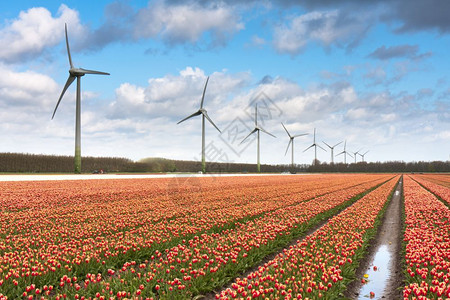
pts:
[437, 184]
[427, 238]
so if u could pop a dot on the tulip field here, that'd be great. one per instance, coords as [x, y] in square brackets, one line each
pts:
[194, 237]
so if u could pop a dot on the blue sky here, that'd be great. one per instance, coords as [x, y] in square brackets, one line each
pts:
[373, 74]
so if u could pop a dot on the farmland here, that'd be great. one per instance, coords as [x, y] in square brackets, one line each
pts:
[179, 238]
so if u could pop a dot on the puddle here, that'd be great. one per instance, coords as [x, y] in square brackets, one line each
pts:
[377, 280]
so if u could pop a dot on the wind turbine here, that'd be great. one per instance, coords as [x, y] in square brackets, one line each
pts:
[291, 140]
[315, 147]
[345, 153]
[332, 150]
[257, 129]
[76, 73]
[204, 114]
[356, 153]
[362, 155]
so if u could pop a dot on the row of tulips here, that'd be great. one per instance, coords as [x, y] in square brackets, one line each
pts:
[320, 265]
[437, 184]
[197, 265]
[427, 238]
[440, 178]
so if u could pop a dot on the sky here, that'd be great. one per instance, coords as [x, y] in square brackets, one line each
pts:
[372, 73]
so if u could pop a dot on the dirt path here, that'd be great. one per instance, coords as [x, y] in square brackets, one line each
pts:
[384, 253]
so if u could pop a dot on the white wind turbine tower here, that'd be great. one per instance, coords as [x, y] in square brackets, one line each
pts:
[332, 150]
[315, 147]
[291, 140]
[257, 129]
[75, 73]
[356, 153]
[362, 155]
[345, 153]
[204, 114]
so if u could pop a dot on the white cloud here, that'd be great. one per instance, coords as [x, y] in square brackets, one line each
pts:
[33, 31]
[326, 28]
[25, 88]
[257, 42]
[357, 113]
[174, 95]
[180, 23]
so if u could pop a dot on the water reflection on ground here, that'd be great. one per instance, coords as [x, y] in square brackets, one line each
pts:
[377, 278]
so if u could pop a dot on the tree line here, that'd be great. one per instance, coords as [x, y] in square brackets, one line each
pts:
[37, 163]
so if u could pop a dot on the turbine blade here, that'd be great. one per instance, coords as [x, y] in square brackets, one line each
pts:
[253, 131]
[285, 129]
[256, 114]
[327, 145]
[210, 121]
[68, 49]
[290, 141]
[193, 115]
[85, 71]
[266, 132]
[321, 148]
[297, 135]
[338, 143]
[66, 86]
[366, 152]
[204, 90]
[340, 153]
[308, 148]
[349, 154]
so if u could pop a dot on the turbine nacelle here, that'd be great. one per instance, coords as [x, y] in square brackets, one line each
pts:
[314, 143]
[291, 138]
[78, 72]
[199, 112]
[332, 147]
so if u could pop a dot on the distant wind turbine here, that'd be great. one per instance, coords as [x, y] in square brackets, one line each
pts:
[345, 153]
[257, 129]
[204, 114]
[291, 140]
[76, 73]
[356, 153]
[362, 155]
[332, 150]
[315, 147]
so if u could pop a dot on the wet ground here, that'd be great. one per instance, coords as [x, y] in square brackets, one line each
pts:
[381, 269]
[377, 274]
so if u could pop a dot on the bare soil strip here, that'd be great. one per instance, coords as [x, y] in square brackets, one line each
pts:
[389, 236]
